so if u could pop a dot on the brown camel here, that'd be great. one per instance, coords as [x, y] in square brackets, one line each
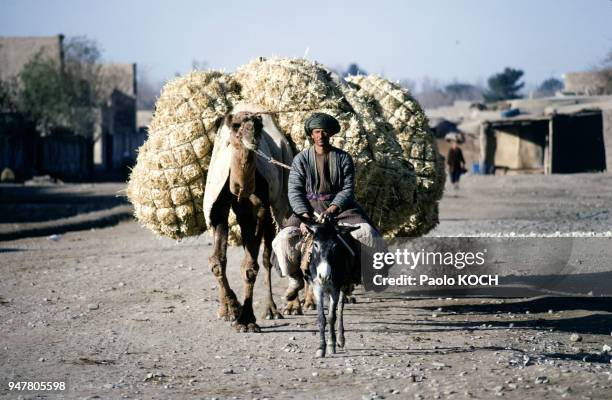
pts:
[246, 193]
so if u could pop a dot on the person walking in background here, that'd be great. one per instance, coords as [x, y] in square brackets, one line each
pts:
[456, 163]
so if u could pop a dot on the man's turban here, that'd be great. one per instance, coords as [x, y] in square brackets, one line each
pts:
[321, 121]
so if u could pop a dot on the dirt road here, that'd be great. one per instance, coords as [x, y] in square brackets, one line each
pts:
[119, 313]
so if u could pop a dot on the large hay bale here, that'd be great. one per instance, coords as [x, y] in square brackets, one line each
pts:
[406, 116]
[167, 184]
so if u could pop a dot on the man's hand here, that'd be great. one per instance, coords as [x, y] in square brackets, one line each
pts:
[303, 227]
[328, 214]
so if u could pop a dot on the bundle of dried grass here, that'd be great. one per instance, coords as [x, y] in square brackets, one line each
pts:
[167, 184]
[403, 112]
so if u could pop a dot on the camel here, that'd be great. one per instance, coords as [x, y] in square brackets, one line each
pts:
[247, 191]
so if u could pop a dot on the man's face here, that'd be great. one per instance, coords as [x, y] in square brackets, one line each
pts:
[320, 136]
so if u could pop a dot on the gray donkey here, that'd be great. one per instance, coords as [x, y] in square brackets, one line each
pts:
[333, 270]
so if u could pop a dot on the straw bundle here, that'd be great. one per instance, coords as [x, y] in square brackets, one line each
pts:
[418, 144]
[167, 184]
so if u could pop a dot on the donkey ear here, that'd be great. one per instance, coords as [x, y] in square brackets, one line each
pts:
[258, 121]
[311, 228]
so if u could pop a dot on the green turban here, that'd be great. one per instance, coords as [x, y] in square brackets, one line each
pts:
[321, 121]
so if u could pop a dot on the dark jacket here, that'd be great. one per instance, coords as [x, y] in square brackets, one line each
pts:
[304, 179]
[455, 160]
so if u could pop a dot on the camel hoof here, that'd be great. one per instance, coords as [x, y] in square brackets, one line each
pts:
[229, 310]
[293, 308]
[247, 328]
[293, 311]
[272, 314]
[321, 353]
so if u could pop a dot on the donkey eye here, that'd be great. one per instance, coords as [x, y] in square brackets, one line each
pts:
[236, 126]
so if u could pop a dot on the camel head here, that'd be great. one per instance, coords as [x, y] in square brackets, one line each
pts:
[245, 129]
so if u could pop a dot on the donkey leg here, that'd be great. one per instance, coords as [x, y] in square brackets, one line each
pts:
[321, 320]
[333, 303]
[341, 322]
[229, 307]
[309, 300]
[270, 312]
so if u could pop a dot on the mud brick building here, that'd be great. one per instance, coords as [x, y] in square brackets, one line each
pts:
[105, 153]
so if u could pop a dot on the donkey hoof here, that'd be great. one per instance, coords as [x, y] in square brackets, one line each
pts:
[321, 353]
[332, 349]
[341, 343]
[310, 306]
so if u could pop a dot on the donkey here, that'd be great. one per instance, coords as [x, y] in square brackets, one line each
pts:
[332, 270]
[246, 192]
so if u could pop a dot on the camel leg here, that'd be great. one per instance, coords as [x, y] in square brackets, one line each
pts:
[309, 300]
[348, 296]
[229, 307]
[292, 295]
[251, 231]
[270, 312]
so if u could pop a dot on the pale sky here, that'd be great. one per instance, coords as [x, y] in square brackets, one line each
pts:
[465, 40]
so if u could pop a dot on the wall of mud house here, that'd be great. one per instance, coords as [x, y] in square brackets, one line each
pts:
[64, 156]
[18, 141]
[513, 147]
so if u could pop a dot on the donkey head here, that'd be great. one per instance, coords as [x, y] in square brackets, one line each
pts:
[329, 253]
[245, 129]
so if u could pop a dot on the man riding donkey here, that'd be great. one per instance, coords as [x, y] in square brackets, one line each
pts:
[321, 187]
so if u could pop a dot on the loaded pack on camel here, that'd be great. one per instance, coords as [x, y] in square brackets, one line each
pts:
[186, 181]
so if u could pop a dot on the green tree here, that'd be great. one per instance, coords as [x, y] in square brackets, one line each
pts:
[549, 87]
[64, 96]
[8, 96]
[353, 69]
[505, 85]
